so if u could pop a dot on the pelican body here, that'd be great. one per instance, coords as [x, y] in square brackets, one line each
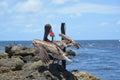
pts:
[54, 48]
[47, 49]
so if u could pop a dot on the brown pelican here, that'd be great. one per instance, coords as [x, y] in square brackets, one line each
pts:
[53, 49]
[69, 41]
[47, 48]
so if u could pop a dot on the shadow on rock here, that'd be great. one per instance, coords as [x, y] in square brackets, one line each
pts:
[60, 72]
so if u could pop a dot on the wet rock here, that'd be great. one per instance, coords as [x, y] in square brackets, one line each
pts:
[12, 63]
[3, 55]
[84, 76]
[70, 53]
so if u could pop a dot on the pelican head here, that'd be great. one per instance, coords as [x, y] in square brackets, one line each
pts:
[47, 30]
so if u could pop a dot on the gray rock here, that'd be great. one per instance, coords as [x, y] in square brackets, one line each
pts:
[85, 76]
[25, 52]
[4, 69]
[14, 68]
[70, 53]
[8, 50]
[40, 71]
[15, 48]
[3, 55]
[12, 63]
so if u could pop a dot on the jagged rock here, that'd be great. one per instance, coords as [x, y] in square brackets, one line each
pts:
[70, 53]
[19, 51]
[39, 71]
[25, 52]
[85, 76]
[15, 48]
[3, 55]
[32, 66]
[14, 68]
[4, 69]
[12, 63]
[24, 47]
[8, 50]
[28, 59]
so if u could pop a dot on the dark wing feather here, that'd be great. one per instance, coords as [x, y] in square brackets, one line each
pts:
[44, 56]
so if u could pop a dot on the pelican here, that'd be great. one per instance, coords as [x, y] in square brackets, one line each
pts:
[47, 48]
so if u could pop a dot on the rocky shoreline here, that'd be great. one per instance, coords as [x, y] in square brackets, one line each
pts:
[23, 63]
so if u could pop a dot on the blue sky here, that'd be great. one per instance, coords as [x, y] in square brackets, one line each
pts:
[85, 19]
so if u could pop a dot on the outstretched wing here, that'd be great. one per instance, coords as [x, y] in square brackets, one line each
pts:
[44, 56]
[71, 42]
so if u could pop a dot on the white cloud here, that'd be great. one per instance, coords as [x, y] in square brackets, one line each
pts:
[1, 12]
[3, 4]
[3, 7]
[31, 30]
[89, 8]
[118, 22]
[59, 1]
[29, 25]
[28, 6]
[104, 24]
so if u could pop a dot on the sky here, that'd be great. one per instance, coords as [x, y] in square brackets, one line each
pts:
[84, 19]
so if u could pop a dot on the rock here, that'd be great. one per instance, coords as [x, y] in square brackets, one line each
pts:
[60, 73]
[3, 55]
[15, 48]
[32, 66]
[25, 52]
[12, 63]
[28, 59]
[19, 51]
[14, 68]
[39, 71]
[4, 69]
[8, 50]
[24, 47]
[84, 76]
[48, 72]
[70, 53]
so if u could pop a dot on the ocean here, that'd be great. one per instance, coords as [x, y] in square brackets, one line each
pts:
[99, 57]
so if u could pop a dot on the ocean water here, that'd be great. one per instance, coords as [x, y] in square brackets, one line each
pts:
[99, 57]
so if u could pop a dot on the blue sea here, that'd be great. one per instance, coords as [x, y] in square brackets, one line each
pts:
[99, 57]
